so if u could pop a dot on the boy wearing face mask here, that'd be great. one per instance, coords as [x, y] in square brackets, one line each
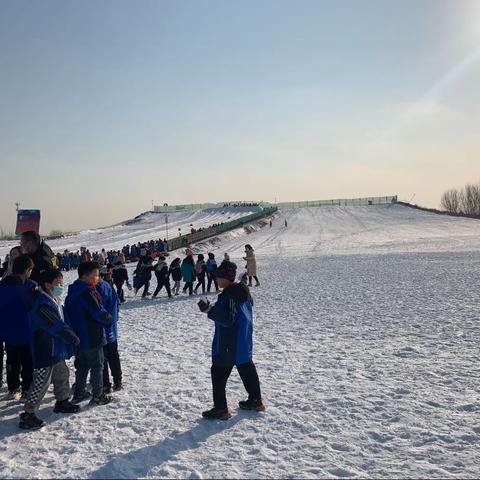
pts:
[52, 342]
[88, 319]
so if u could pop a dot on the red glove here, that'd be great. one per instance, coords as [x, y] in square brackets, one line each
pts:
[204, 306]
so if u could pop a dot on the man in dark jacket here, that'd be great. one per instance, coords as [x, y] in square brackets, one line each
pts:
[88, 318]
[39, 252]
[16, 298]
[233, 342]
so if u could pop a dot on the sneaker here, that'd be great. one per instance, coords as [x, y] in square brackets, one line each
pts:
[100, 400]
[256, 405]
[81, 397]
[15, 394]
[107, 389]
[66, 406]
[217, 414]
[117, 386]
[29, 421]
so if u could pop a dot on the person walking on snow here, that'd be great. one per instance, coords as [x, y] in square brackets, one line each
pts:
[120, 276]
[162, 274]
[176, 273]
[52, 342]
[232, 343]
[188, 272]
[144, 272]
[211, 267]
[200, 270]
[251, 265]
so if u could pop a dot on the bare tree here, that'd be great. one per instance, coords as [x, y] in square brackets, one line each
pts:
[470, 199]
[451, 201]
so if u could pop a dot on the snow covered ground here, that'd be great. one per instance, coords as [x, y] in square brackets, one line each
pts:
[367, 339]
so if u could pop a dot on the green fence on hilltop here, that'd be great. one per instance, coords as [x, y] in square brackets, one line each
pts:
[185, 240]
[341, 202]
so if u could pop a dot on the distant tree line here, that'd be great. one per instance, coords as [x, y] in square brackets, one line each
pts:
[465, 200]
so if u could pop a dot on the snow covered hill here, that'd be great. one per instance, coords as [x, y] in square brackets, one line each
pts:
[148, 226]
[367, 342]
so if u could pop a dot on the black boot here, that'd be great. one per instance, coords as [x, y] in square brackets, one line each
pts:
[78, 398]
[29, 421]
[217, 414]
[101, 400]
[249, 404]
[117, 386]
[66, 406]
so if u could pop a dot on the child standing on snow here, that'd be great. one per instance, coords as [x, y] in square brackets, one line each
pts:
[233, 343]
[52, 342]
[162, 274]
[200, 271]
[109, 300]
[188, 272]
[88, 318]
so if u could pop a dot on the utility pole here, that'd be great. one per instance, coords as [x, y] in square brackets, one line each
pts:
[17, 205]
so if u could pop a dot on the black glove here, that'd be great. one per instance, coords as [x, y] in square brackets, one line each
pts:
[204, 306]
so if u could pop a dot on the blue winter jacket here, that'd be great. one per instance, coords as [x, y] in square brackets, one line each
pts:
[16, 299]
[109, 299]
[51, 339]
[211, 266]
[233, 317]
[188, 271]
[86, 315]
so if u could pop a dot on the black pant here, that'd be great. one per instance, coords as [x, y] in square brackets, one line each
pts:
[201, 282]
[1, 364]
[146, 284]
[112, 360]
[160, 284]
[250, 280]
[249, 376]
[212, 279]
[121, 295]
[19, 361]
[188, 285]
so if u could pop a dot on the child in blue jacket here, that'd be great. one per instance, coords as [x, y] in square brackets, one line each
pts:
[110, 302]
[88, 319]
[232, 343]
[52, 342]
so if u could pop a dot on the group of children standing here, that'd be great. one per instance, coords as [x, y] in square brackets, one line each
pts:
[85, 327]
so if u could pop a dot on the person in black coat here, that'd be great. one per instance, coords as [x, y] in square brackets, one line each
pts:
[120, 277]
[163, 277]
[39, 252]
[176, 273]
[144, 272]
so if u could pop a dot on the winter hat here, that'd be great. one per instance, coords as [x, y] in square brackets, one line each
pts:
[227, 270]
[201, 257]
[161, 257]
[211, 255]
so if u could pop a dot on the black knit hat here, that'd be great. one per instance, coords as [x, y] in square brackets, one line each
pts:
[227, 270]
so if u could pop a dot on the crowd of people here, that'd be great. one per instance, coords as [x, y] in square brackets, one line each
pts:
[242, 204]
[39, 333]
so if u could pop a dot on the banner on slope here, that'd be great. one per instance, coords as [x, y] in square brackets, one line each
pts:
[27, 220]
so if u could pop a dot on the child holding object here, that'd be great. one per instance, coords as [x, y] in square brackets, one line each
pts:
[233, 342]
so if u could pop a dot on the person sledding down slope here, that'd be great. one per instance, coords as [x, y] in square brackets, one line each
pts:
[232, 343]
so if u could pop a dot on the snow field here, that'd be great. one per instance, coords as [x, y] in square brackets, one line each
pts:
[368, 359]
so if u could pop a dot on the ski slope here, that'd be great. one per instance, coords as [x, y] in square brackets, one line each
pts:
[367, 342]
[148, 226]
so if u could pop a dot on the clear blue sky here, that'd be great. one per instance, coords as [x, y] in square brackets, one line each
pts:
[107, 105]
